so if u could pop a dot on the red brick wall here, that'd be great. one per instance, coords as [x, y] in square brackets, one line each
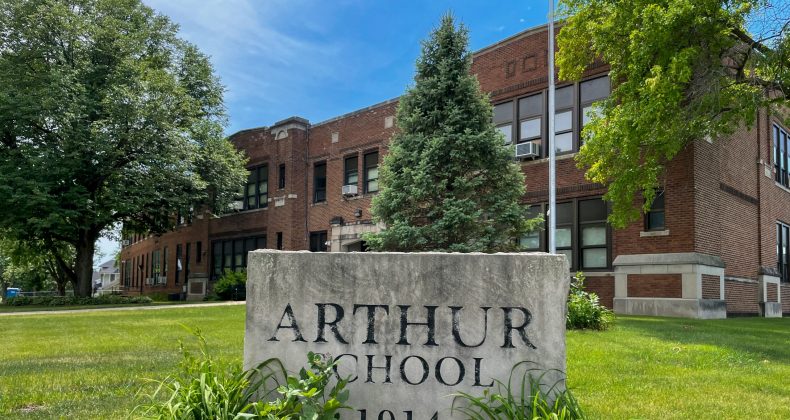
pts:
[710, 287]
[741, 296]
[785, 298]
[603, 287]
[773, 292]
[655, 285]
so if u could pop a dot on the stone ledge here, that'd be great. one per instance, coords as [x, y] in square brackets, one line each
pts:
[654, 233]
[669, 259]
[672, 307]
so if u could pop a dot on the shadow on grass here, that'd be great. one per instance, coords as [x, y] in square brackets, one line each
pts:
[764, 338]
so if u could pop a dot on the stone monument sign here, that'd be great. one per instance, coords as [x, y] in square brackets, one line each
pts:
[408, 330]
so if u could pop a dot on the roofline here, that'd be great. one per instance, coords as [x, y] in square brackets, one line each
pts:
[358, 111]
[526, 32]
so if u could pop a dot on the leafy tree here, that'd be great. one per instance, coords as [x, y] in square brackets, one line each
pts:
[106, 116]
[682, 71]
[448, 182]
[39, 265]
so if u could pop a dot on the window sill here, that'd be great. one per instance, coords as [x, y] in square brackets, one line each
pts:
[654, 233]
[244, 211]
[782, 187]
[320, 203]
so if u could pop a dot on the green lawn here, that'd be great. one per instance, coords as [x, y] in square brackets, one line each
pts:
[88, 365]
[36, 308]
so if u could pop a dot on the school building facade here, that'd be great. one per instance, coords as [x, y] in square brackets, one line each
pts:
[715, 243]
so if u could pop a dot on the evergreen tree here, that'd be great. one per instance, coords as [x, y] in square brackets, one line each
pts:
[449, 183]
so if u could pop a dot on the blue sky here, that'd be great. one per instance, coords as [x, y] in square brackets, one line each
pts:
[321, 59]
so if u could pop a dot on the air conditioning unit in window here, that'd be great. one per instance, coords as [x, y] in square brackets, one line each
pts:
[161, 280]
[149, 281]
[237, 205]
[350, 190]
[126, 242]
[527, 150]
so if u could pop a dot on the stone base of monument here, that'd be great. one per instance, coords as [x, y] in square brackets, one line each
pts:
[409, 330]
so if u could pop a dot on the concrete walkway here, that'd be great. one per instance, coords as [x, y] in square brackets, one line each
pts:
[122, 308]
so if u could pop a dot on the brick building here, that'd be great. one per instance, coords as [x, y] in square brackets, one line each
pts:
[715, 243]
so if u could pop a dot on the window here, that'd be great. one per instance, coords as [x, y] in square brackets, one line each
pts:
[281, 176]
[654, 219]
[319, 182]
[782, 156]
[593, 234]
[503, 120]
[127, 273]
[530, 114]
[591, 91]
[231, 254]
[280, 241]
[350, 171]
[563, 237]
[318, 241]
[156, 265]
[257, 189]
[783, 250]
[164, 264]
[178, 263]
[186, 262]
[563, 119]
[372, 172]
[198, 252]
[532, 240]
[582, 233]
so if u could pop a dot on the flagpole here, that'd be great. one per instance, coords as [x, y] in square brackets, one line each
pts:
[552, 150]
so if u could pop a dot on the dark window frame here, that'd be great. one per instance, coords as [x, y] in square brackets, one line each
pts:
[783, 251]
[601, 222]
[575, 226]
[255, 198]
[347, 171]
[499, 123]
[281, 176]
[584, 104]
[221, 249]
[540, 139]
[318, 241]
[179, 266]
[280, 241]
[319, 182]
[366, 170]
[781, 154]
[656, 209]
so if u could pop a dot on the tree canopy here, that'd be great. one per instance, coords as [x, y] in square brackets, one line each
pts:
[106, 116]
[449, 183]
[681, 70]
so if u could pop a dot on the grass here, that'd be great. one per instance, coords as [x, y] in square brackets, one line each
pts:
[89, 365]
[35, 308]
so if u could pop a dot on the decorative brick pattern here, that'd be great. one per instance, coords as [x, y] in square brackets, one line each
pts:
[773, 292]
[741, 297]
[655, 285]
[711, 288]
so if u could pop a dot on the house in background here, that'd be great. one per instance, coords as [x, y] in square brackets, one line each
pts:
[715, 243]
[107, 279]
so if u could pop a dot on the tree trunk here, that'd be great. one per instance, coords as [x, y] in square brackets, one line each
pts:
[83, 266]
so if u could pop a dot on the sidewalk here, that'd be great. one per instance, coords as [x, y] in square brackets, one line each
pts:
[123, 308]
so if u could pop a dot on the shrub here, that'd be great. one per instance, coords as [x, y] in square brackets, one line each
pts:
[205, 388]
[232, 285]
[305, 397]
[584, 309]
[531, 402]
[71, 300]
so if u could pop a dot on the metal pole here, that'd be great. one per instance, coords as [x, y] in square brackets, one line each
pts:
[552, 149]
